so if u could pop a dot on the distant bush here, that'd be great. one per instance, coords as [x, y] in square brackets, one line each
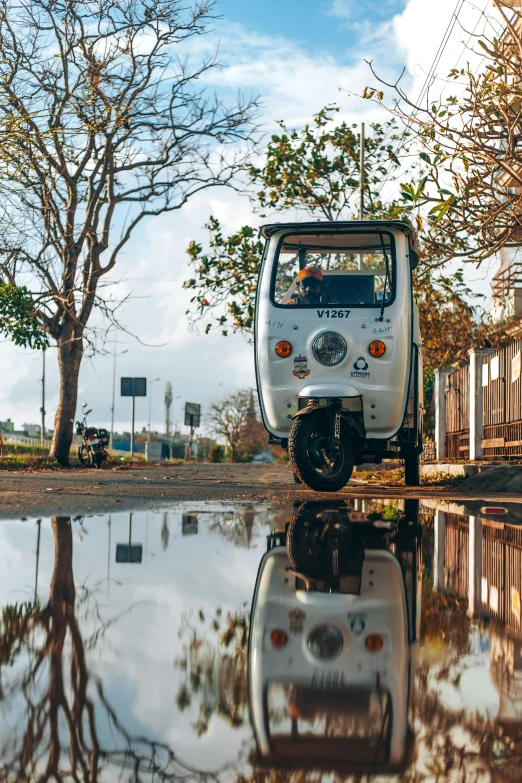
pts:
[216, 454]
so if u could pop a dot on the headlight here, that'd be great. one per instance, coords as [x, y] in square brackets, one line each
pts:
[329, 348]
[325, 642]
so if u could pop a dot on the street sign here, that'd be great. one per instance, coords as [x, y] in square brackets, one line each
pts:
[133, 387]
[192, 414]
[129, 553]
[189, 524]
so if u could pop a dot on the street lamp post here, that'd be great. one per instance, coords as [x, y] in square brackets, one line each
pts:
[115, 355]
[150, 402]
[42, 409]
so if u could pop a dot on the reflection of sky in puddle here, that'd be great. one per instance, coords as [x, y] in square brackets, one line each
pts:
[195, 557]
[135, 660]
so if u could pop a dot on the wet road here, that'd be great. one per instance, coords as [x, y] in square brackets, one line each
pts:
[124, 643]
[77, 491]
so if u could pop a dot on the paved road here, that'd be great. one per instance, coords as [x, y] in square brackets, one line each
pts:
[89, 491]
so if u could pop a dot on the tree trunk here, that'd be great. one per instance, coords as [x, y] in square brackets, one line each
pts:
[62, 584]
[70, 352]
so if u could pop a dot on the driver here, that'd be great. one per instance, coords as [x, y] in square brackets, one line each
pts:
[309, 287]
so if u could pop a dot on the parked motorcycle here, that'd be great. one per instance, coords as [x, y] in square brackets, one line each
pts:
[92, 451]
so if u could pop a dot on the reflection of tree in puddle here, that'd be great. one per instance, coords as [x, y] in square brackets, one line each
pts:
[214, 661]
[237, 526]
[44, 674]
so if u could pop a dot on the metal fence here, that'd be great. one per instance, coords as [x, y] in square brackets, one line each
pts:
[457, 414]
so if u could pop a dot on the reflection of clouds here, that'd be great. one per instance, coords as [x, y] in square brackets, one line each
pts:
[135, 660]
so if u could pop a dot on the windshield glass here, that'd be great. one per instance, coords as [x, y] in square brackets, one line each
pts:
[347, 724]
[349, 270]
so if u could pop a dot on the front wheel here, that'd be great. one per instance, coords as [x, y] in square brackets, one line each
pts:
[412, 470]
[309, 451]
[83, 455]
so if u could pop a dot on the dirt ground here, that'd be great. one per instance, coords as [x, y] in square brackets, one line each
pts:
[89, 491]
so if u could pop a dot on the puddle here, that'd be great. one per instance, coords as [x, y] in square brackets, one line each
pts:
[386, 641]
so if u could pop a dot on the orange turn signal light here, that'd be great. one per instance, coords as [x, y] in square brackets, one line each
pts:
[283, 349]
[377, 348]
[278, 638]
[374, 642]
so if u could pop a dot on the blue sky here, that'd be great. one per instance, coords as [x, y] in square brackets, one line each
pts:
[297, 55]
[332, 25]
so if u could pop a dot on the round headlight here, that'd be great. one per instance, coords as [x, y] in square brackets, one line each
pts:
[325, 642]
[329, 348]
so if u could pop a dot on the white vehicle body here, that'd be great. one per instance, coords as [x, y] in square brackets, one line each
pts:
[379, 608]
[387, 389]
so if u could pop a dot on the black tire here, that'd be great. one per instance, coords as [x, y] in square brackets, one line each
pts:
[307, 449]
[310, 554]
[98, 459]
[83, 456]
[412, 470]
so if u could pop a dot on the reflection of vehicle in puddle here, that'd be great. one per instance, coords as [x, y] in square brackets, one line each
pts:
[330, 656]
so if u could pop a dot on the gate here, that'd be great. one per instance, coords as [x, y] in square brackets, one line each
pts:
[457, 414]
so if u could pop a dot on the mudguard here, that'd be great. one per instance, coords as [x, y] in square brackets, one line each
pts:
[354, 421]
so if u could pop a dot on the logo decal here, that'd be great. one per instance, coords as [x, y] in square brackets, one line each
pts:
[360, 364]
[360, 368]
[300, 367]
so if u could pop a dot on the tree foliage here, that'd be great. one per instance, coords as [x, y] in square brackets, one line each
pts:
[317, 168]
[18, 320]
[226, 277]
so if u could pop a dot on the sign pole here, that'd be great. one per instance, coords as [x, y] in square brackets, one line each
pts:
[132, 427]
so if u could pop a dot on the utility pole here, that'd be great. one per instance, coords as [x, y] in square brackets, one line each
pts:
[361, 182]
[42, 409]
[115, 355]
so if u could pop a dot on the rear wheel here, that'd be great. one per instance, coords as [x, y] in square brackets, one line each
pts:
[321, 541]
[98, 458]
[412, 470]
[310, 456]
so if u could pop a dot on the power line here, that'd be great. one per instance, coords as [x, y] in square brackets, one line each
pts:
[425, 86]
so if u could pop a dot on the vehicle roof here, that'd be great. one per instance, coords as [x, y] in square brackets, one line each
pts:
[332, 225]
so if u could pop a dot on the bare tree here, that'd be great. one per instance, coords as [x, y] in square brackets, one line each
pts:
[102, 124]
[470, 146]
[227, 419]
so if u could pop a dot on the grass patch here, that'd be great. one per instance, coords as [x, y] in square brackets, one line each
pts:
[27, 461]
[395, 478]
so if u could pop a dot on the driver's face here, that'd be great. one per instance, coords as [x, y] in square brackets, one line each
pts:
[310, 290]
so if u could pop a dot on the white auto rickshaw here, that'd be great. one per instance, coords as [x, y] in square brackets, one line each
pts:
[331, 662]
[337, 347]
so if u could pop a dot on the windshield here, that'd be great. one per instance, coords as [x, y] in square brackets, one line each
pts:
[348, 724]
[349, 270]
